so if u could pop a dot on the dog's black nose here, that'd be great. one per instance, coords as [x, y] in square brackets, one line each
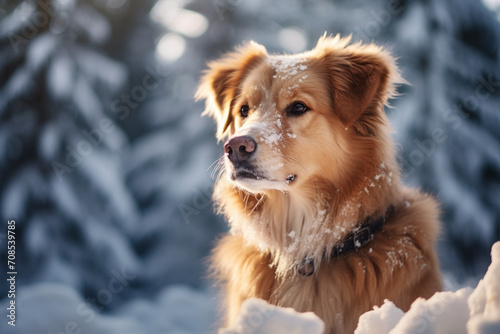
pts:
[239, 148]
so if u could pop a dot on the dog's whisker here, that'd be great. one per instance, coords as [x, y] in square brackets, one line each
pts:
[217, 171]
[295, 161]
[256, 205]
[246, 200]
[218, 164]
[213, 163]
[222, 168]
[222, 171]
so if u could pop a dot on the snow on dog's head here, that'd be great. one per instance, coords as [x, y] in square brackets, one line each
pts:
[280, 114]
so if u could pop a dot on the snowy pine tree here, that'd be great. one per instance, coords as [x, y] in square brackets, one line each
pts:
[448, 119]
[171, 153]
[61, 173]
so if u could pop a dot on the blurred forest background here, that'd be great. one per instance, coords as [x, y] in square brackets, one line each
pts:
[104, 158]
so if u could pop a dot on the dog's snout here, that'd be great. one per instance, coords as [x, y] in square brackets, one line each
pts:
[239, 148]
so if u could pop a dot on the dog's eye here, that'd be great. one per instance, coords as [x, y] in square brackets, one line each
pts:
[244, 111]
[297, 108]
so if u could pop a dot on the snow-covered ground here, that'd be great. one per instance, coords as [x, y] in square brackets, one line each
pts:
[467, 310]
[49, 308]
[259, 317]
[462, 311]
[55, 308]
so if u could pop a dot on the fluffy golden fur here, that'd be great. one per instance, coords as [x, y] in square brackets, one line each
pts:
[318, 175]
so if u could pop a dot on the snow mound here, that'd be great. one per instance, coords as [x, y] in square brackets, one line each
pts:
[56, 308]
[381, 320]
[484, 303]
[49, 308]
[258, 317]
[462, 311]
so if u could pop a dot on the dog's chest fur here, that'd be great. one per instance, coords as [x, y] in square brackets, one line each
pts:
[398, 264]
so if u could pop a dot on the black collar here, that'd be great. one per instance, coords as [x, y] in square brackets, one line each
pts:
[359, 237]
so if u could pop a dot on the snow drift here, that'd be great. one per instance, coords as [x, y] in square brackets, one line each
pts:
[258, 317]
[462, 311]
[55, 308]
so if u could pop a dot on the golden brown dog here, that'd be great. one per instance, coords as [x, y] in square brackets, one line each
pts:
[310, 185]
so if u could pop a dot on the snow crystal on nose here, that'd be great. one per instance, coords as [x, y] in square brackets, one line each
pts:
[269, 128]
[272, 138]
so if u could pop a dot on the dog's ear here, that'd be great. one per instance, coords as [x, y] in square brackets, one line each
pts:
[220, 83]
[362, 77]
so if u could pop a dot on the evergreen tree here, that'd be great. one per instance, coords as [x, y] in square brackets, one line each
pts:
[448, 119]
[172, 150]
[61, 172]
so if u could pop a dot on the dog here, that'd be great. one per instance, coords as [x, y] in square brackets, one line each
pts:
[309, 184]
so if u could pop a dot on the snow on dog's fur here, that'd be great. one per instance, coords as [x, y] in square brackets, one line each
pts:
[309, 158]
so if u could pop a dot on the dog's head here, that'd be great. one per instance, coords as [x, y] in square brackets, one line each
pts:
[287, 119]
